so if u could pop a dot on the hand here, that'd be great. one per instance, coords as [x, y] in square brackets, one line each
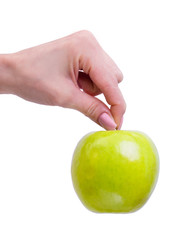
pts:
[53, 74]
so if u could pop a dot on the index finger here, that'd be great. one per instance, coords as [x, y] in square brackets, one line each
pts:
[108, 84]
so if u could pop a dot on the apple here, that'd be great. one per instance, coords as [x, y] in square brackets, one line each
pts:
[115, 171]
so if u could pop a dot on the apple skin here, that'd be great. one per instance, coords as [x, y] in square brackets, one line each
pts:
[115, 171]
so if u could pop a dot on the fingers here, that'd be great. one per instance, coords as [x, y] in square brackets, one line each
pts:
[113, 96]
[112, 93]
[107, 82]
[118, 108]
[105, 74]
[116, 101]
[94, 109]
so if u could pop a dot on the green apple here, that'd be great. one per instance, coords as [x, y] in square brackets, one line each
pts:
[115, 171]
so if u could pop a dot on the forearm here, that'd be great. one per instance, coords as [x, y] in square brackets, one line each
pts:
[7, 80]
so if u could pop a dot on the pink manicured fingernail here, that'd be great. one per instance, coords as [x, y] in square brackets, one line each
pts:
[120, 125]
[107, 122]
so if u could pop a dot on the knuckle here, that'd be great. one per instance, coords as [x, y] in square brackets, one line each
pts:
[120, 77]
[91, 110]
[85, 34]
[123, 104]
[85, 38]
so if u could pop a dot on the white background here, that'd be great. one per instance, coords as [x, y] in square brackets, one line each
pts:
[37, 199]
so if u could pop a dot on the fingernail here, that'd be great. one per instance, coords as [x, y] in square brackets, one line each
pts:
[121, 123]
[107, 122]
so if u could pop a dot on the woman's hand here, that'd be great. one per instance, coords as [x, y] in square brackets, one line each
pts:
[53, 74]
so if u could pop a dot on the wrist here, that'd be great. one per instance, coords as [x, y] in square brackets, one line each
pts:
[6, 73]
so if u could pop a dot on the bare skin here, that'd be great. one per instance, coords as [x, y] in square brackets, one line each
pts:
[53, 74]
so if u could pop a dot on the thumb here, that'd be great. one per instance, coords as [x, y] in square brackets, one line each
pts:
[94, 109]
